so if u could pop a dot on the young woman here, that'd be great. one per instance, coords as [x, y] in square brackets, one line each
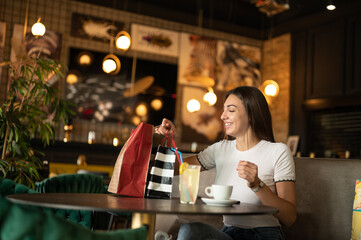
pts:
[260, 170]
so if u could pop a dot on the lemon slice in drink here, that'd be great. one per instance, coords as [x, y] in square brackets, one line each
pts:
[183, 167]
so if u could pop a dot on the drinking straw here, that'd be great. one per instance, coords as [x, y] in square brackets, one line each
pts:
[179, 155]
[189, 195]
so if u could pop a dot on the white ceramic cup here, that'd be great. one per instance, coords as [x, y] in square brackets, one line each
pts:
[219, 192]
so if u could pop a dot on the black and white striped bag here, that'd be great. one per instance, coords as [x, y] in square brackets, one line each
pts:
[161, 173]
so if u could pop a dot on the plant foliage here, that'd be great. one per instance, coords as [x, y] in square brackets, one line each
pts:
[32, 108]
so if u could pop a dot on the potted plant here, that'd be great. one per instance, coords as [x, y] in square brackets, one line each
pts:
[32, 107]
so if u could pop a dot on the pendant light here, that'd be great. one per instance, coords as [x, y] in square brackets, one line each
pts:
[270, 87]
[123, 40]
[38, 29]
[111, 63]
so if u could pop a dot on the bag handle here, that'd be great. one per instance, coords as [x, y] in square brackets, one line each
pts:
[177, 153]
[165, 139]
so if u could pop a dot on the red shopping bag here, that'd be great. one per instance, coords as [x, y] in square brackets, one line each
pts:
[131, 168]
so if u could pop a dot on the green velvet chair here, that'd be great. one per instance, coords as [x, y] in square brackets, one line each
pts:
[8, 186]
[76, 183]
[21, 222]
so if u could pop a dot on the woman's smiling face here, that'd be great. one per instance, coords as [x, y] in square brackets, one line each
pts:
[235, 117]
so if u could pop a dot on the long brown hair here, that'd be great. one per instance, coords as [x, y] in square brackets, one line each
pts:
[257, 109]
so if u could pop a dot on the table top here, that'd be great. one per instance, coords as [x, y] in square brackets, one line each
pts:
[116, 203]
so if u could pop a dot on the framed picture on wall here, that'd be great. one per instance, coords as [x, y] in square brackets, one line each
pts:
[292, 143]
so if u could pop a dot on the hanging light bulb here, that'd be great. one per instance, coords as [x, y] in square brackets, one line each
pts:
[111, 64]
[38, 29]
[156, 104]
[193, 105]
[330, 6]
[85, 58]
[210, 97]
[141, 110]
[72, 78]
[270, 88]
[123, 40]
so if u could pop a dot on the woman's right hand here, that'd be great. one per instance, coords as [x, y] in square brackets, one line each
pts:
[166, 126]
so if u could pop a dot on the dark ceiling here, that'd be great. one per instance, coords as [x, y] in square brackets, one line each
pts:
[234, 16]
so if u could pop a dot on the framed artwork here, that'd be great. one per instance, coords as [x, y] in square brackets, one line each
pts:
[237, 65]
[93, 28]
[206, 62]
[154, 40]
[100, 97]
[197, 60]
[292, 143]
[203, 126]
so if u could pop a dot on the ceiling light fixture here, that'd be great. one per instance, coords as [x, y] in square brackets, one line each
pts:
[210, 97]
[330, 6]
[85, 58]
[122, 40]
[270, 88]
[193, 105]
[38, 29]
[111, 64]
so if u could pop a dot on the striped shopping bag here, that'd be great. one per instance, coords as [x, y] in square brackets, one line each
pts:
[162, 172]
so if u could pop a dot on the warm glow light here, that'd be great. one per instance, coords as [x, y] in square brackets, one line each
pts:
[271, 88]
[141, 110]
[210, 97]
[156, 104]
[136, 120]
[331, 7]
[72, 78]
[122, 40]
[115, 142]
[193, 105]
[111, 64]
[38, 29]
[85, 59]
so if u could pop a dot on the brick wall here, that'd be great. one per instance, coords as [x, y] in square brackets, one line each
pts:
[276, 60]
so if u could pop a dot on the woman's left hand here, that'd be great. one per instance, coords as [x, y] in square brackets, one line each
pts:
[249, 172]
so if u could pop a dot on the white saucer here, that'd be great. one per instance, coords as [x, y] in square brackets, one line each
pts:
[214, 202]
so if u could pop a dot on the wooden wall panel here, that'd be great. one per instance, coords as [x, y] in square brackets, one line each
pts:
[326, 61]
[353, 58]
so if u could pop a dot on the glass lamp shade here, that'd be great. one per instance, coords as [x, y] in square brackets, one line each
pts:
[141, 110]
[38, 29]
[210, 97]
[123, 40]
[193, 105]
[72, 78]
[270, 88]
[156, 104]
[85, 58]
[331, 7]
[111, 64]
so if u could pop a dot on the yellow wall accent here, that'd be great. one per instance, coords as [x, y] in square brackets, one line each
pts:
[61, 168]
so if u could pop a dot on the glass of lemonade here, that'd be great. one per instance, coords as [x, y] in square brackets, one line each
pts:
[189, 183]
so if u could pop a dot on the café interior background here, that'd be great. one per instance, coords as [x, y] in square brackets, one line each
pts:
[275, 63]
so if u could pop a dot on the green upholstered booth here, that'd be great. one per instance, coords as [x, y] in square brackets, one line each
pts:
[72, 183]
[8, 186]
[76, 183]
[19, 222]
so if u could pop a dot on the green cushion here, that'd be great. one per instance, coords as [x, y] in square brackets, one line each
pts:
[20, 222]
[8, 186]
[72, 183]
[75, 183]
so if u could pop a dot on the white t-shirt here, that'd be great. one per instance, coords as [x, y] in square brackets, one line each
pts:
[275, 163]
